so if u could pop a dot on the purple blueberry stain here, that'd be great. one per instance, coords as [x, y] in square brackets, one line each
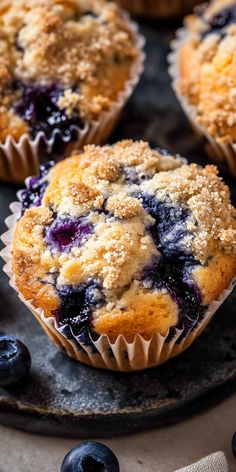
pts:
[33, 194]
[170, 229]
[168, 274]
[66, 232]
[133, 176]
[76, 306]
[234, 444]
[38, 107]
[172, 271]
[15, 360]
[217, 23]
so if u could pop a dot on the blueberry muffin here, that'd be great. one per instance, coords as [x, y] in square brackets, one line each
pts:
[207, 82]
[124, 240]
[62, 63]
[158, 8]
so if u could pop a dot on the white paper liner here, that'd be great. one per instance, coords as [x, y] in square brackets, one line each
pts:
[21, 159]
[159, 8]
[120, 355]
[224, 155]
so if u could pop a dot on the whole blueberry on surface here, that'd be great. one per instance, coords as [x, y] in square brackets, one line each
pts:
[90, 456]
[234, 444]
[15, 360]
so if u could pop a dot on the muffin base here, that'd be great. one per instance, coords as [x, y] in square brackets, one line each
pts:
[223, 155]
[120, 355]
[19, 160]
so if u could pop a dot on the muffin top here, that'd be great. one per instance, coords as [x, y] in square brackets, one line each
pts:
[61, 62]
[207, 67]
[124, 239]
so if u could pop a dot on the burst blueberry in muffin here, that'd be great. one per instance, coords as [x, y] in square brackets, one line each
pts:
[205, 59]
[158, 8]
[125, 240]
[62, 63]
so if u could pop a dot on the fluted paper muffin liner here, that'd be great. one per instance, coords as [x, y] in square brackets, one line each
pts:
[159, 8]
[23, 158]
[120, 355]
[223, 155]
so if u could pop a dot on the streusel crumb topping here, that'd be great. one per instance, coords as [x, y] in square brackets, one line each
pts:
[213, 218]
[58, 41]
[207, 68]
[96, 178]
[86, 47]
[123, 206]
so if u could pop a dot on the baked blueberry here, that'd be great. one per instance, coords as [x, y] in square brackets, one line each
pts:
[207, 40]
[158, 9]
[90, 456]
[76, 308]
[35, 187]
[38, 107]
[15, 360]
[222, 18]
[170, 229]
[65, 233]
[218, 22]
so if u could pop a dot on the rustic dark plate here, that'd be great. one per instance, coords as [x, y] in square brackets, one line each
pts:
[64, 398]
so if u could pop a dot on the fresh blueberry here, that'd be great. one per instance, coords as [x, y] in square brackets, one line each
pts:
[15, 360]
[170, 271]
[234, 444]
[90, 456]
[38, 107]
[65, 233]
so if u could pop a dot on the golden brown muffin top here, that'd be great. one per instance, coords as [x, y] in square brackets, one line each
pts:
[88, 181]
[61, 40]
[86, 47]
[207, 67]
